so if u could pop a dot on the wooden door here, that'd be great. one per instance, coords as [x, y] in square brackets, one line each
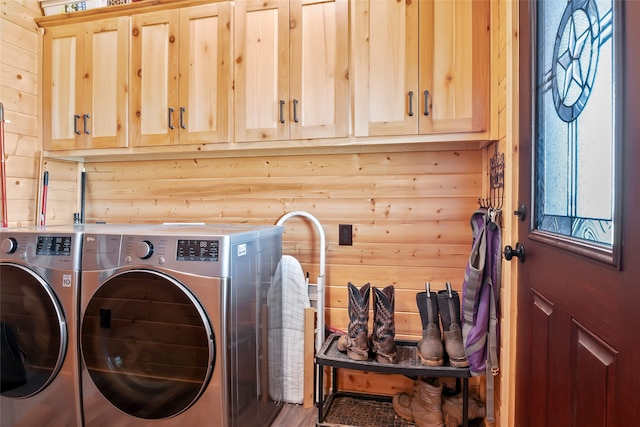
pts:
[63, 87]
[205, 93]
[154, 106]
[578, 353]
[261, 70]
[319, 72]
[454, 66]
[106, 83]
[385, 67]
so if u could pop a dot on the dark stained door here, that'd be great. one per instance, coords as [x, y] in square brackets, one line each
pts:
[578, 333]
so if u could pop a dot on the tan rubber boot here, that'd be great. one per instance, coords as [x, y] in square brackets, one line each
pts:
[452, 410]
[356, 342]
[384, 331]
[424, 407]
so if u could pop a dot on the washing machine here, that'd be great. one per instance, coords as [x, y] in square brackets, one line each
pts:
[39, 285]
[174, 326]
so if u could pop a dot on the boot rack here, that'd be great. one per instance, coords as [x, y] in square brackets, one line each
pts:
[328, 355]
[407, 364]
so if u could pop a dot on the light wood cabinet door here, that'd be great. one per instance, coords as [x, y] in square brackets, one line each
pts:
[154, 78]
[85, 85]
[205, 71]
[319, 69]
[106, 88]
[62, 80]
[420, 67]
[291, 70]
[261, 70]
[454, 66]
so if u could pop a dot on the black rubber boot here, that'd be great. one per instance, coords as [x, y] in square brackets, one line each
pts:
[449, 307]
[430, 349]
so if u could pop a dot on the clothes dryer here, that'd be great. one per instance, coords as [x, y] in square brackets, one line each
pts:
[39, 285]
[173, 326]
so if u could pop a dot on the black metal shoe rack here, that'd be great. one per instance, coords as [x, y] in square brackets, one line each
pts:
[407, 364]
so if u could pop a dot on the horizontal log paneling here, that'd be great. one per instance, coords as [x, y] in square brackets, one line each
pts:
[19, 44]
[409, 210]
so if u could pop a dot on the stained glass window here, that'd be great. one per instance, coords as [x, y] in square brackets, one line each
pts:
[574, 126]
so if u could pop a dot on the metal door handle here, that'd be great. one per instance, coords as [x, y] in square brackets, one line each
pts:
[410, 103]
[84, 119]
[518, 252]
[295, 110]
[182, 110]
[75, 124]
[170, 115]
[426, 102]
[281, 111]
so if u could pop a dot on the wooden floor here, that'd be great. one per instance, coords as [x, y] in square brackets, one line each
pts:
[296, 415]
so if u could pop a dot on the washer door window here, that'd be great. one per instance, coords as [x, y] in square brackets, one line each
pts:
[147, 344]
[33, 332]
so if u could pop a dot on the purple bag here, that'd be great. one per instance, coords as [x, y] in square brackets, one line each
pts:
[480, 299]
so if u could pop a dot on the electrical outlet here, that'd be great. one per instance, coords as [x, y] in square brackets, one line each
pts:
[345, 234]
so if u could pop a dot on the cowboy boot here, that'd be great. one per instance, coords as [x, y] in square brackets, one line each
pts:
[430, 349]
[384, 330]
[452, 410]
[424, 407]
[356, 342]
[449, 307]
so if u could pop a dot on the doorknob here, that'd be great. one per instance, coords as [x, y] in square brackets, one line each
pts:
[518, 252]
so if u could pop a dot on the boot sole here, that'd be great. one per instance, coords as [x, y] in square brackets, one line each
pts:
[430, 362]
[357, 356]
[459, 364]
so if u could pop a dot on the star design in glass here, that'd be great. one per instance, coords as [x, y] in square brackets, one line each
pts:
[569, 60]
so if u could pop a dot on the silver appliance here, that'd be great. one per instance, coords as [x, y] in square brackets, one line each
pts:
[174, 327]
[39, 285]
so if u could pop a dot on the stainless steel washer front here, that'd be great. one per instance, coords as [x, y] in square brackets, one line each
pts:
[157, 343]
[39, 273]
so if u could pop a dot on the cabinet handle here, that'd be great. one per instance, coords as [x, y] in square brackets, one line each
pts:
[426, 102]
[84, 119]
[75, 124]
[295, 110]
[410, 103]
[170, 115]
[182, 110]
[281, 111]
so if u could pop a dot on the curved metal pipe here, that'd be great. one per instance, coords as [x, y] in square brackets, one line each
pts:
[314, 220]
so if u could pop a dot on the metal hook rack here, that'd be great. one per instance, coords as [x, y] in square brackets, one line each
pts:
[496, 182]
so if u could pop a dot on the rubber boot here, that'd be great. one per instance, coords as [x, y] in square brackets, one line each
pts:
[449, 307]
[356, 342]
[384, 330]
[423, 407]
[430, 349]
[452, 410]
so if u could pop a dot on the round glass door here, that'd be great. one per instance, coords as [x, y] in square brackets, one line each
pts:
[147, 344]
[33, 332]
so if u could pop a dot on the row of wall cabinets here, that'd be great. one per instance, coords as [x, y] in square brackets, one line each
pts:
[250, 71]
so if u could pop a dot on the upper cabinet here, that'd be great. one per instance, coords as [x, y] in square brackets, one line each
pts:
[291, 69]
[85, 85]
[181, 76]
[420, 67]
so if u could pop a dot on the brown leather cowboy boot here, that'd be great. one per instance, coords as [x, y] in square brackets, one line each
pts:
[356, 342]
[423, 407]
[384, 330]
